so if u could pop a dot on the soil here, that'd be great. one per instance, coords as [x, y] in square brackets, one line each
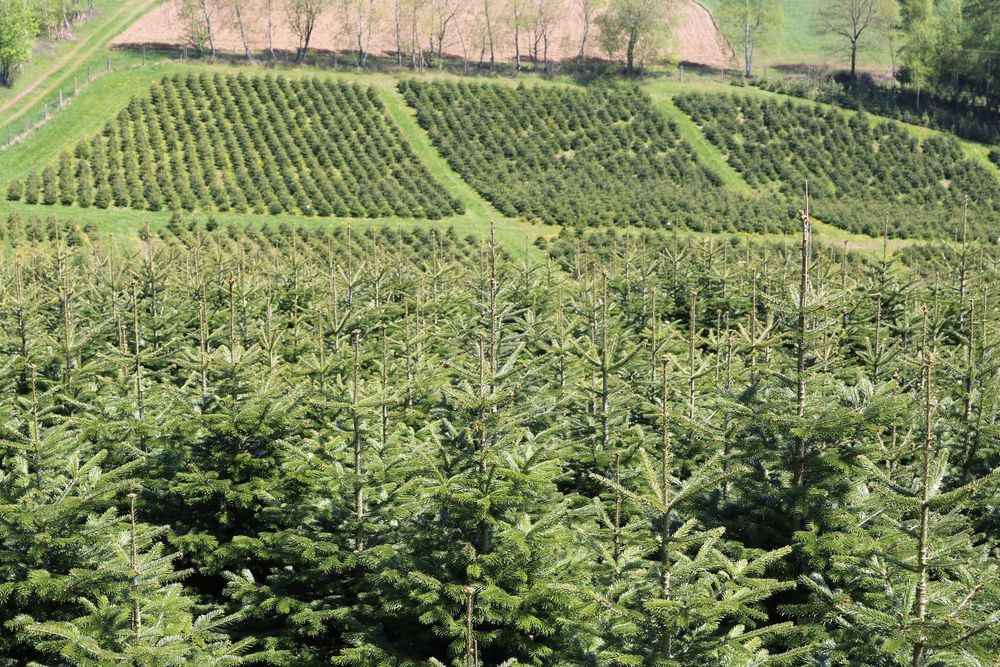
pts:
[696, 37]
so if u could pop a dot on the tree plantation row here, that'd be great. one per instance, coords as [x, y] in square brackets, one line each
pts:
[850, 163]
[310, 445]
[261, 144]
[597, 156]
[603, 156]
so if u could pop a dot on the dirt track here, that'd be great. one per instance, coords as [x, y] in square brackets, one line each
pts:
[696, 38]
[80, 52]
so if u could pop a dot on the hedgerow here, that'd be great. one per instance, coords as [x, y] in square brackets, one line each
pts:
[261, 144]
[860, 171]
[603, 156]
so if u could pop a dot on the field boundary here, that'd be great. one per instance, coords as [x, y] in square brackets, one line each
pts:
[51, 82]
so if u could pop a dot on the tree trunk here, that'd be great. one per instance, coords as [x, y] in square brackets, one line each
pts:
[923, 535]
[306, 38]
[489, 33]
[399, 38]
[633, 37]
[747, 50]
[799, 459]
[545, 52]
[208, 26]
[270, 30]
[517, 45]
[243, 33]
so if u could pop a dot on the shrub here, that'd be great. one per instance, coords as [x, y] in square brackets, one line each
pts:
[15, 190]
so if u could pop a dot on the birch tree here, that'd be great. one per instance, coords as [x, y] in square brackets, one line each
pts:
[754, 25]
[240, 12]
[302, 16]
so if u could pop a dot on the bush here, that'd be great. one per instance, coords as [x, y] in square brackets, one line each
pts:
[15, 191]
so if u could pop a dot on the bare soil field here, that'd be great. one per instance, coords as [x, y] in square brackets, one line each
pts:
[696, 37]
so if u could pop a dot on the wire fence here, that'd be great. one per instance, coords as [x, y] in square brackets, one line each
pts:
[26, 123]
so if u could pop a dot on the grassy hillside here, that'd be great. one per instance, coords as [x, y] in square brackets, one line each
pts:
[803, 44]
[63, 65]
[105, 98]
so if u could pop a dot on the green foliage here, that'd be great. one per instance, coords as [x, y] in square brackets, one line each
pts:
[849, 164]
[751, 28]
[18, 29]
[15, 190]
[909, 105]
[635, 31]
[262, 144]
[948, 53]
[404, 447]
[140, 615]
[603, 156]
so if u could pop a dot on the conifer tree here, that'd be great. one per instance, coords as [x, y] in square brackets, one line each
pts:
[138, 613]
[56, 512]
[691, 600]
[903, 589]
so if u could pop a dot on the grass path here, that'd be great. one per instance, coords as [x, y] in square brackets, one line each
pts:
[100, 102]
[480, 212]
[710, 156]
[48, 82]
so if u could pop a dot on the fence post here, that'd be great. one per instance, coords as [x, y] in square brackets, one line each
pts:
[682, 72]
[143, 55]
[60, 98]
[76, 87]
[109, 64]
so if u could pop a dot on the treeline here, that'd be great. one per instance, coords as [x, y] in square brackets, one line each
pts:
[944, 58]
[22, 22]
[421, 33]
[952, 49]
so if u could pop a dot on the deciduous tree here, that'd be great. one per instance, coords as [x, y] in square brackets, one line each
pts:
[636, 30]
[856, 20]
[302, 16]
[18, 27]
[754, 25]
